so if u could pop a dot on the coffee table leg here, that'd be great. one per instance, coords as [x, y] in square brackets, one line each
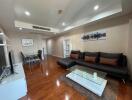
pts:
[124, 81]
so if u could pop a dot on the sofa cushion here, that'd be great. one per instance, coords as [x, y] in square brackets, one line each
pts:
[90, 59]
[67, 62]
[74, 56]
[108, 61]
[92, 54]
[117, 56]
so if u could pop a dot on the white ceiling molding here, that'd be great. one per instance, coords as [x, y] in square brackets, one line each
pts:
[95, 18]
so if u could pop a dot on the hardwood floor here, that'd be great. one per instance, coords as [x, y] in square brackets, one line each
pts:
[43, 84]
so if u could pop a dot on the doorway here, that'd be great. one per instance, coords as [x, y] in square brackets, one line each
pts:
[67, 47]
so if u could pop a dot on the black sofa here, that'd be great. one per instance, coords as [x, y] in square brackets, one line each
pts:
[119, 71]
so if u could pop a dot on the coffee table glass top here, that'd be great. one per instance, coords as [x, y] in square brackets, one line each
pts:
[88, 70]
[90, 79]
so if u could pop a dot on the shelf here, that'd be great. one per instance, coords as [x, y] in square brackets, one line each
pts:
[5, 45]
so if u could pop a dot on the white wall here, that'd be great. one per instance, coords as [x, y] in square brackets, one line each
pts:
[16, 44]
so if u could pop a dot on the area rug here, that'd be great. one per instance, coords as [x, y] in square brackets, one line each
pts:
[109, 93]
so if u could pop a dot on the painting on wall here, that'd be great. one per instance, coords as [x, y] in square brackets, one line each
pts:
[27, 42]
[93, 36]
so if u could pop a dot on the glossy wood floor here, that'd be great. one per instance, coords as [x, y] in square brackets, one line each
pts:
[43, 84]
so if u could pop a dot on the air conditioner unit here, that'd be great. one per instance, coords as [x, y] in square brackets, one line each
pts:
[33, 27]
[41, 28]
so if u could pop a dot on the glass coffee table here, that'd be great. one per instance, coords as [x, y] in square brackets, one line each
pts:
[90, 79]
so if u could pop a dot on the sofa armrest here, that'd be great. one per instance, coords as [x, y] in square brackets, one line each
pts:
[124, 61]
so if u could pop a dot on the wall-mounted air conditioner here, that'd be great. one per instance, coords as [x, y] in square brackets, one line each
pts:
[20, 24]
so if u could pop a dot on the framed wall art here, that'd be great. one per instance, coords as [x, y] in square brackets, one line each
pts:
[27, 42]
[93, 36]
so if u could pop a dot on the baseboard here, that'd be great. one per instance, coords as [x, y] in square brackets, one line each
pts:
[58, 56]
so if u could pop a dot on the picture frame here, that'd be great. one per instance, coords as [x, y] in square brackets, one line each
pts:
[94, 36]
[27, 42]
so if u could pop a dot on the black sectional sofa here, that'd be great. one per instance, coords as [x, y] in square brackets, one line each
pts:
[120, 70]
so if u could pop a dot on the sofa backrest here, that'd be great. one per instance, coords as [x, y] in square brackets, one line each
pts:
[112, 56]
[122, 58]
[92, 54]
[122, 61]
[75, 51]
[75, 54]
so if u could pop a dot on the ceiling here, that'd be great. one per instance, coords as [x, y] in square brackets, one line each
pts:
[52, 13]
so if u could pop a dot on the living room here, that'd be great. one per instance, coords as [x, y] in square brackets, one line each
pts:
[71, 50]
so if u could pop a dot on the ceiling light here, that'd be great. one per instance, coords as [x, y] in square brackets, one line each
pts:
[63, 24]
[27, 13]
[96, 7]
[20, 28]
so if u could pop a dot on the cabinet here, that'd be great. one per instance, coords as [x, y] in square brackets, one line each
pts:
[14, 86]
